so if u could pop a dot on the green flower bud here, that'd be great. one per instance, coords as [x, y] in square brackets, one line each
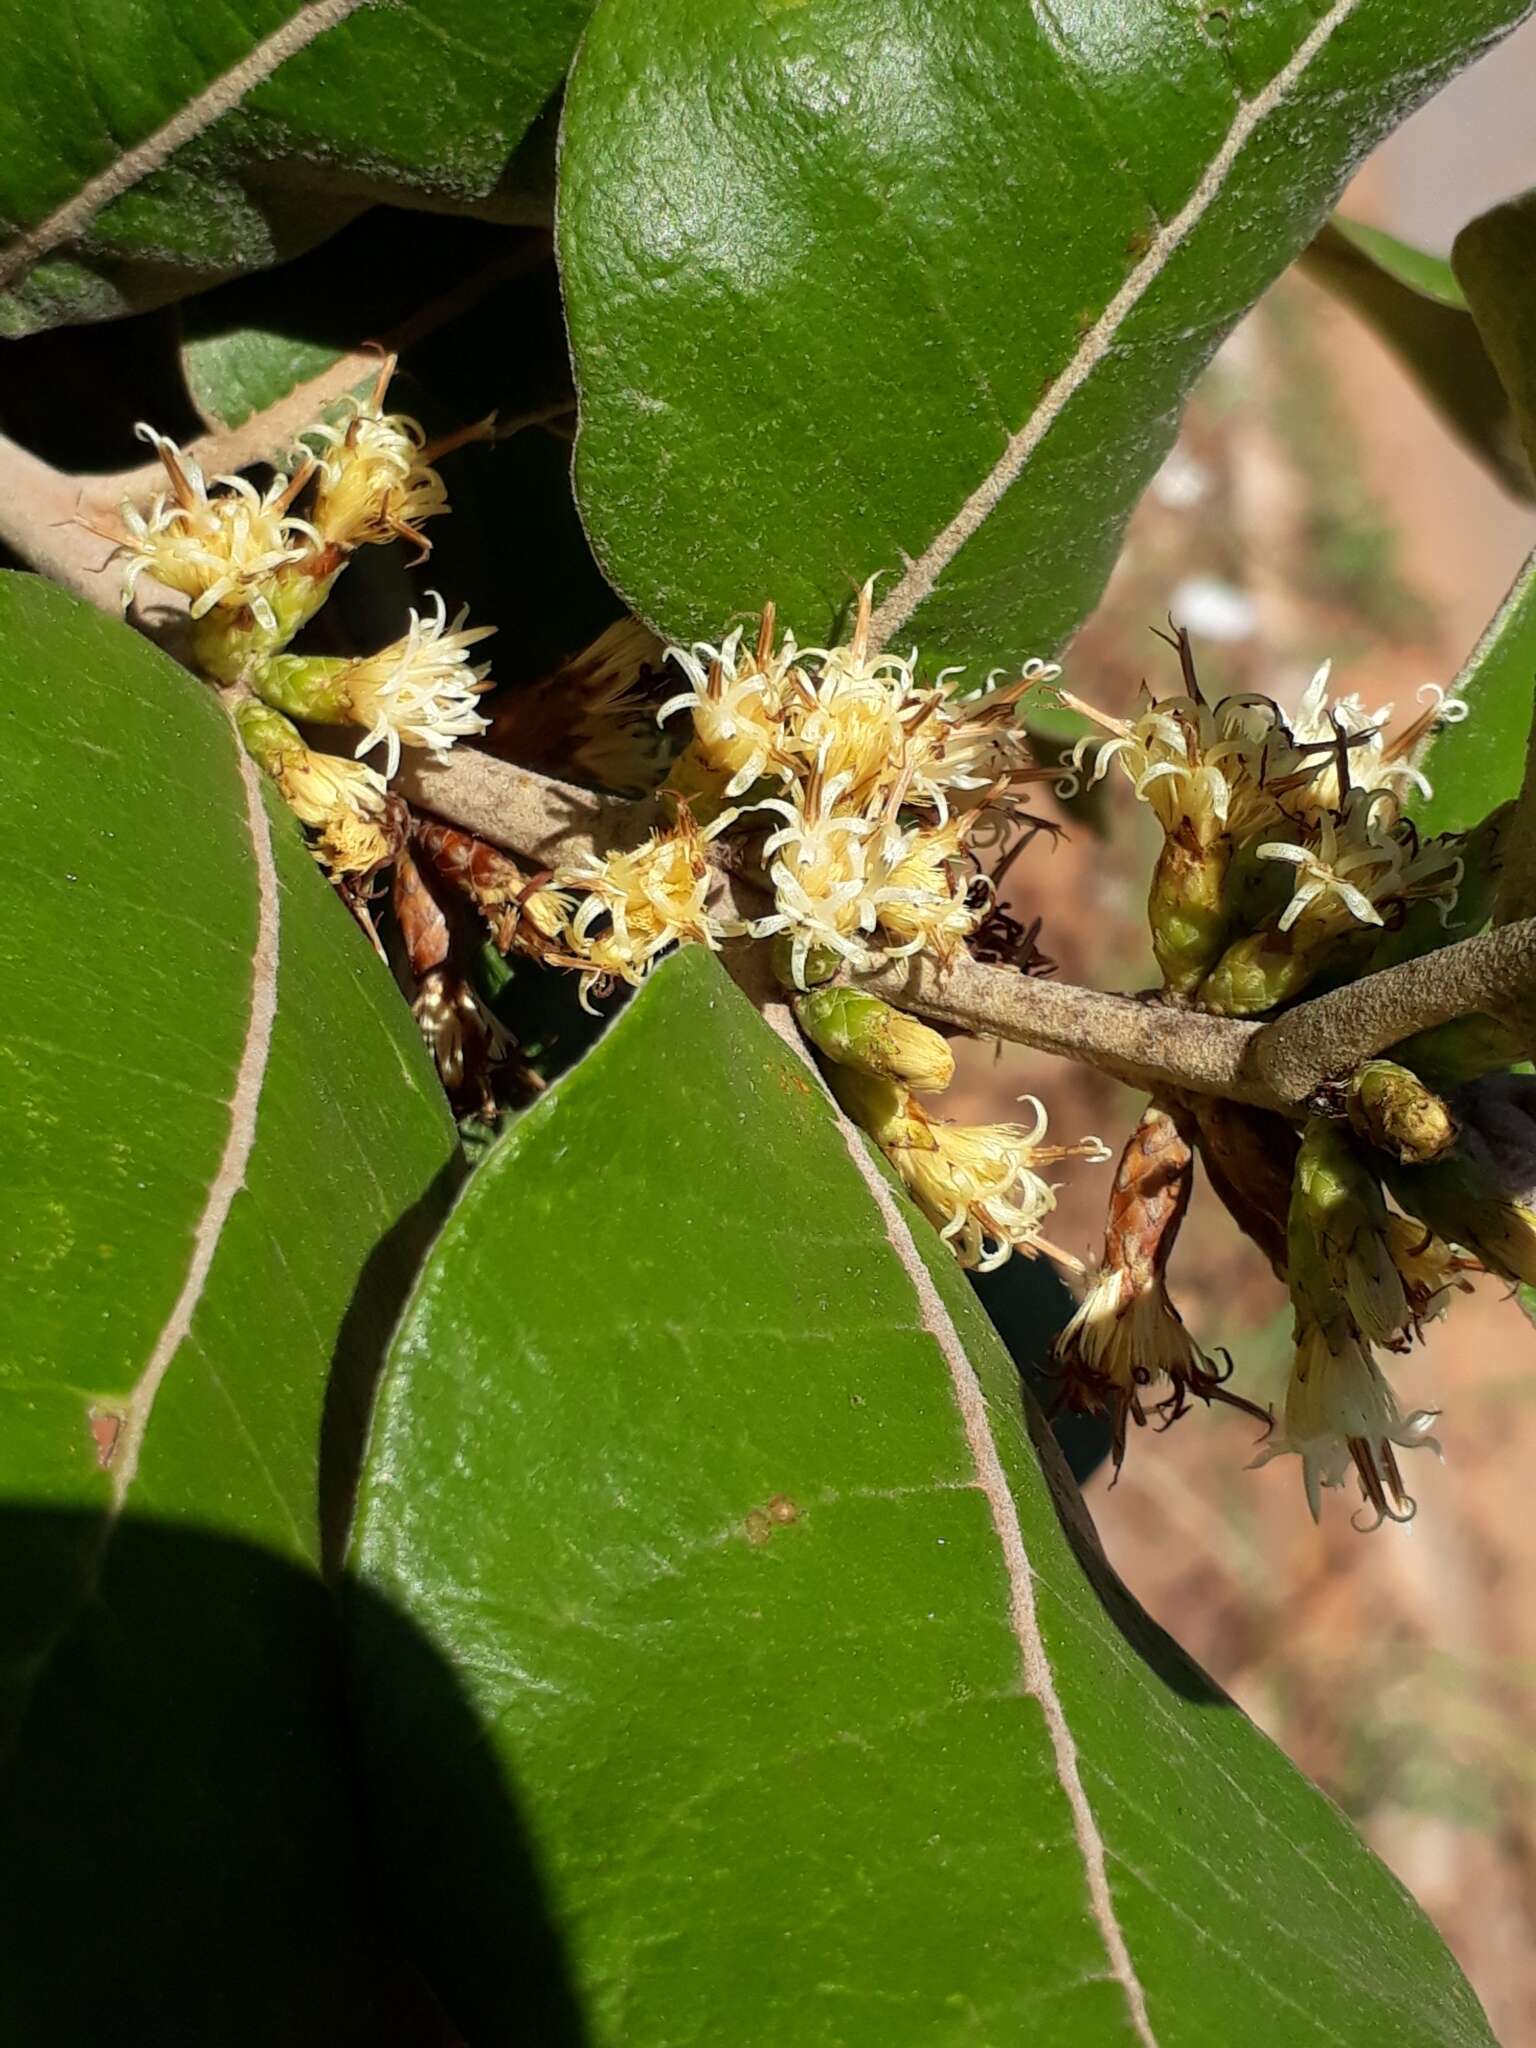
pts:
[1254, 974]
[875, 1105]
[1392, 1109]
[858, 1030]
[1454, 1200]
[231, 645]
[1186, 913]
[1482, 1193]
[1338, 1238]
[1462, 1050]
[308, 686]
[821, 963]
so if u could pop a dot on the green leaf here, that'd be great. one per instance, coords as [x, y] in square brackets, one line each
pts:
[820, 1713]
[869, 285]
[226, 1151]
[1425, 275]
[1495, 262]
[232, 375]
[1413, 301]
[1476, 765]
[147, 151]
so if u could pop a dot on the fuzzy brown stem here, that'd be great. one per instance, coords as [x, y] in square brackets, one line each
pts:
[1277, 1066]
[543, 820]
[1326, 1039]
[41, 511]
[1144, 1044]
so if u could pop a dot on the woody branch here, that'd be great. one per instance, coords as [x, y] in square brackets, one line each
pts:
[1279, 1066]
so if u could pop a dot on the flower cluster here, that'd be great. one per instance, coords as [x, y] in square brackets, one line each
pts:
[1286, 841]
[853, 791]
[829, 803]
[1288, 858]
[856, 788]
[257, 566]
[876, 782]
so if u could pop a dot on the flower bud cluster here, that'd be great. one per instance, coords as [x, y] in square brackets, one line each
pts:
[1289, 860]
[1360, 1278]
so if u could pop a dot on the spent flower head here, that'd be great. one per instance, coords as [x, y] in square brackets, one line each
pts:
[1342, 1415]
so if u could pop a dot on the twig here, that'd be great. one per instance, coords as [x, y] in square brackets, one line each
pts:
[1328, 1038]
[1278, 1066]
[40, 513]
[524, 813]
[1141, 1043]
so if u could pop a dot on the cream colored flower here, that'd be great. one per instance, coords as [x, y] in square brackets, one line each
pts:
[1340, 1413]
[978, 1185]
[924, 899]
[630, 907]
[960, 751]
[851, 665]
[218, 544]
[346, 804]
[422, 690]
[1348, 866]
[735, 700]
[373, 482]
[1323, 731]
[846, 728]
[819, 868]
[1201, 770]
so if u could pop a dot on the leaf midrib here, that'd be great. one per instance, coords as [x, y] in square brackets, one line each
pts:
[920, 577]
[73, 215]
[1037, 1674]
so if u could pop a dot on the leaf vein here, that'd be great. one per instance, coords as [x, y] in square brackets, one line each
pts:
[224, 93]
[1038, 1677]
[921, 575]
[244, 1106]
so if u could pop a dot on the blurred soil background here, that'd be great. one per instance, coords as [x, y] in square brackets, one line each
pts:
[1314, 507]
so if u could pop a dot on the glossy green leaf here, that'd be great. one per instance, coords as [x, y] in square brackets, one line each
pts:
[1495, 263]
[1413, 301]
[147, 150]
[225, 1151]
[868, 285]
[818, 1715]
[1476, 765]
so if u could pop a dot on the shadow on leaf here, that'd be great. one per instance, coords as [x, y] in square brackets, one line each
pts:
[180, 1848]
